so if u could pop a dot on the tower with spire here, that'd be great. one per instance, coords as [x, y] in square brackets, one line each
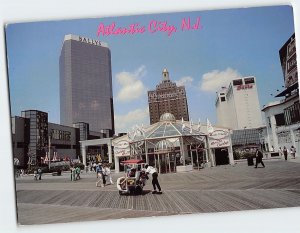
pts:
[167, 98]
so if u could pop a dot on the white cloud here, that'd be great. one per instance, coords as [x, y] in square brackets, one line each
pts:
[124, 123]
[214, 80]
[131, 85]
[185, 81]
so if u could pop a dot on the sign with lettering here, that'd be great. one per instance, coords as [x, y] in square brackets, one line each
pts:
[86, 40]
[219, 138]
[122, 148]
[219, 143]
[219, 134]
[243, 87]
[89, 41]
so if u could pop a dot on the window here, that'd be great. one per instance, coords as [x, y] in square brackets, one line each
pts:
[237, 82]
[223, 99]
[279, 118]
[292, 114]
[249, 80]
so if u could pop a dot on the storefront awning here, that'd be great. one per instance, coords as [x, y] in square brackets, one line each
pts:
[132, 161]
[288, 90]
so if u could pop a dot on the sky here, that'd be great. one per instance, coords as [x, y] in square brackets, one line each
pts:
[228, 44]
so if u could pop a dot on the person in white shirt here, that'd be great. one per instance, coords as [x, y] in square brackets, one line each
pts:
[293, 152]
[151, 170]
[107, 173]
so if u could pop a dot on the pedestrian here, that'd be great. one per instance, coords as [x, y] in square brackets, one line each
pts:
[107, 174]
[77, 171]
[100, 177]
[259, 157]
[35, 174]
[98, 169]
[280, 152]
[22, 172]
[40, 173]
[152, 170]
[71, 172]
[285, 153]
[293, 152]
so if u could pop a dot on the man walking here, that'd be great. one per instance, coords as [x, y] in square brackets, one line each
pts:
[259, 156]
[40, 173]
[285, 153]
[151, 170]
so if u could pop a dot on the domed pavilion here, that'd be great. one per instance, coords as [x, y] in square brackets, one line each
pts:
[170, 145]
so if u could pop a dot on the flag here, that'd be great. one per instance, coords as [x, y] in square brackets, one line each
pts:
[199, 125]
[210, 129]
[182, 122]
[191, 126]
[128, 135]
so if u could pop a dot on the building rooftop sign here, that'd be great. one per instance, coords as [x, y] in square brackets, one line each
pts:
[85, 40]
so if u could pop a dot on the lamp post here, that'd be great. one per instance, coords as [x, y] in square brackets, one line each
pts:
[245, 139]
[49, 150]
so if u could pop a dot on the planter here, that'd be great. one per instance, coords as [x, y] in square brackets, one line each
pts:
[186, 168]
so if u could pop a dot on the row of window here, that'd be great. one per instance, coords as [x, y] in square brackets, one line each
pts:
[292, 114]
[238, 82]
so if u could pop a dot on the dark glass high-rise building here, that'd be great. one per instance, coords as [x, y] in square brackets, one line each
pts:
[86, 84]
[167, 98]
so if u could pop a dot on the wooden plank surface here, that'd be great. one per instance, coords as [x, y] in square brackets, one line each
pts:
[218, 189]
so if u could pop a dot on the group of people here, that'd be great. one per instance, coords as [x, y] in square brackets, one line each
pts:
[284, 152]
[75, 173]
[103, 174]
[37, 174]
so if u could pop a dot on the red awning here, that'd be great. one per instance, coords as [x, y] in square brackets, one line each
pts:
[132, 161]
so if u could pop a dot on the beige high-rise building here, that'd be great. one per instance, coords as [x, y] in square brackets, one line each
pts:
[168, 97]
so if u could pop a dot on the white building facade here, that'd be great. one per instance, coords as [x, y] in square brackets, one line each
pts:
[283, 116]
[238, 105]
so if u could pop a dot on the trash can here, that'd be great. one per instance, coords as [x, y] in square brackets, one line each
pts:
[250, 161]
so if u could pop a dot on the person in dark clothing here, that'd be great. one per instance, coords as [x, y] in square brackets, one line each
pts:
[285, 153]
[259, 156]
[155, 183]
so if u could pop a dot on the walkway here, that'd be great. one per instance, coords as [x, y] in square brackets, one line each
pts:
[219, 189]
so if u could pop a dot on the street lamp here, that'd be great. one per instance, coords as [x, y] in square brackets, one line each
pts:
[245, 138]
[49, 150]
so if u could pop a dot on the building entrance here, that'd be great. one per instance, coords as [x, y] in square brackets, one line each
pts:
[222, 156]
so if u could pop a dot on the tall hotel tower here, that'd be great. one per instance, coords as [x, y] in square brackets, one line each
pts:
[167, 98]
[238, 105]
[86, 84]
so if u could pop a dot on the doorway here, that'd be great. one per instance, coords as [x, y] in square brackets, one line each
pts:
[221, 156]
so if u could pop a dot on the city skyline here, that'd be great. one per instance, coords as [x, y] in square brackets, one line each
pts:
[203, 59]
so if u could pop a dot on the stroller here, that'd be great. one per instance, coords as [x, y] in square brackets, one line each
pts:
[134, 181]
